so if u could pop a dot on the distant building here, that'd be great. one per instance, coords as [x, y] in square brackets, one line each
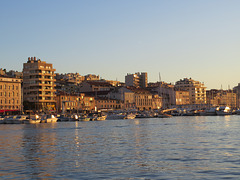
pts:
[15, 74]
[70, 102]
[237, 91]
[137, 80]
[222, 98]
[165, 91]
[38, 85]
[72, 78]
[94, 86]
[108, 104]
[91, 77]
[10, 95]
[196, 89]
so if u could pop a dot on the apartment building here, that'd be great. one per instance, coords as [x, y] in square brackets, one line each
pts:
[38, 85]
[222, 98]
[196, 89]
[10, 95]
[137, 80]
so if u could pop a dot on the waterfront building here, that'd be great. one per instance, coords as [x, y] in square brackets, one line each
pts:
[222, 98]
[143, 98]
[196, 89]
[136, 98]
[137, 80]
[38, 85]
[108, 104]
[182, 98]
[237, 91]
[165, 91]
[156, 101]
[74, 102]
[10, 95]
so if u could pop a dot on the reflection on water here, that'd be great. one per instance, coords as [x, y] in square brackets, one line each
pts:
[172, 148]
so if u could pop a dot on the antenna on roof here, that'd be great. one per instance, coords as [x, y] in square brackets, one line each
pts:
[160, 77]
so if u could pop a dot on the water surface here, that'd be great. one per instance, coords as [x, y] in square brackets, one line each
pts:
[171, 148]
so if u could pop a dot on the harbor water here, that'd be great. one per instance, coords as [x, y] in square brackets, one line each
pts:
[196, 147]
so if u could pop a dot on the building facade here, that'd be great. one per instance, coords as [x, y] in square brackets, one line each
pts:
[38, 85]
[137, 80]
[222, 98]
[108, 104]
[182, 98]
[165, 91]
[10, 95]
[68, 102]
[196, 89]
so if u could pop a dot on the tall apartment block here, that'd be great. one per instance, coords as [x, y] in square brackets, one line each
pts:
[196, 89]
[137, 80]
[10, 95]
[38, 85]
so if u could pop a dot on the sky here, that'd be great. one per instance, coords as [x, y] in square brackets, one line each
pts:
[197, 39]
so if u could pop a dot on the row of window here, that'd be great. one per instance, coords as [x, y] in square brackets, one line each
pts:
[9, 107]
[10, 87]
[9, 94]
[9, 101]
[111, 106]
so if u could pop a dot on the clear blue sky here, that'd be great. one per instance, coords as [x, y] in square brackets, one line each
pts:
[178, 38]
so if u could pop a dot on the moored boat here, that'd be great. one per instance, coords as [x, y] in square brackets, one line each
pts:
[224, 110]
[48, 118]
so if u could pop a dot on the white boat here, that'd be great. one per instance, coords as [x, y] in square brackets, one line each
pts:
[48, 118]
[33, 119]
[64, 118]
[224, 110]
